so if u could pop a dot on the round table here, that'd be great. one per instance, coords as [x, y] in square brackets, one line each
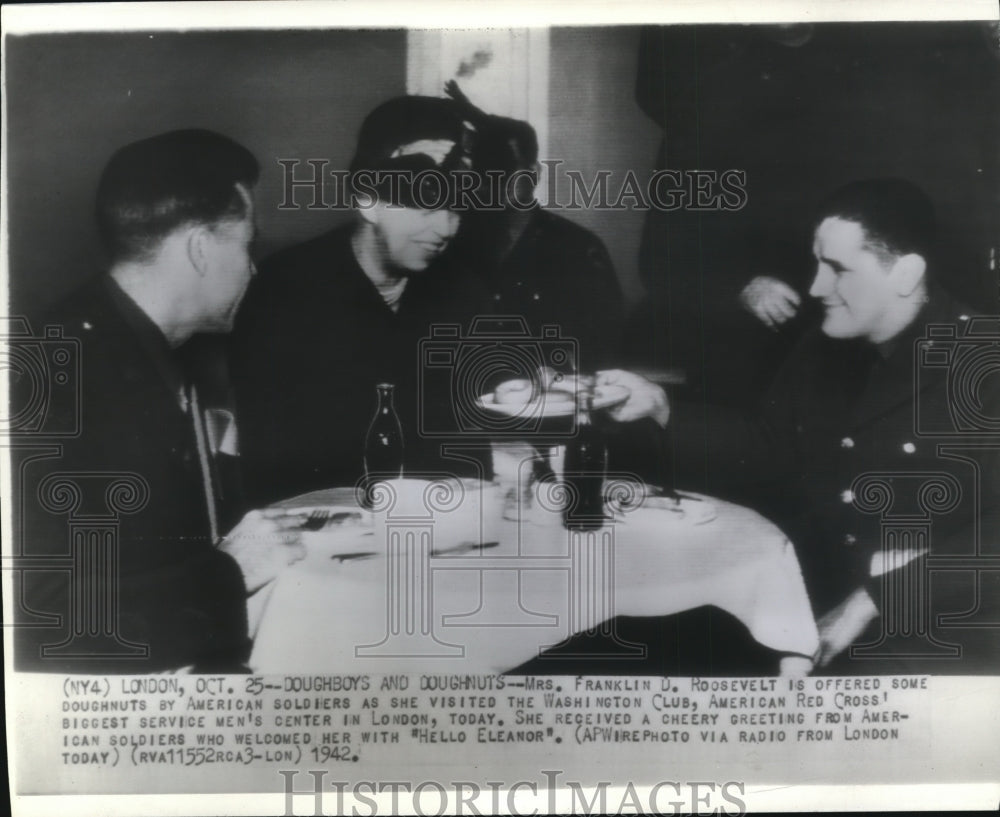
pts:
[456, 578]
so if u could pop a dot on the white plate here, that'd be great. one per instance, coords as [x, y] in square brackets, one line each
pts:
[604, 397]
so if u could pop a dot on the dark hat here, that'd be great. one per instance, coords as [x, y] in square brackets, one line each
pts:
[390, 135]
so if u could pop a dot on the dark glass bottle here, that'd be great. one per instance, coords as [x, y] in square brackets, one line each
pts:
[584, 470]
[383, 442]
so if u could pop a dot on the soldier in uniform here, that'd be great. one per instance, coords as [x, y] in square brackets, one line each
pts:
[813, 106]
[177, 217]
[875, 448]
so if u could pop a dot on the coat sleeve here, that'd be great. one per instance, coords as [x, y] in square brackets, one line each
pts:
[737, 453]
[151, 580]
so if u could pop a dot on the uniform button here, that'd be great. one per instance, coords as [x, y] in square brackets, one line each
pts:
[536, 297]
[496, 297]
[847, 496]
[909, 448]
[88, 325]
[850, 539]
[847, 442]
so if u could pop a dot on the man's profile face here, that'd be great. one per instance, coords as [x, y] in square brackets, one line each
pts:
[233, 266]
[411, 238]
[852, 282]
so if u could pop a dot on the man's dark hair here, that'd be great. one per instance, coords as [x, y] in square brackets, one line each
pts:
[151, 187]
[896, 215]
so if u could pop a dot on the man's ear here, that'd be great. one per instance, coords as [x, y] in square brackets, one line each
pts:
[908, 273]
[198, 247]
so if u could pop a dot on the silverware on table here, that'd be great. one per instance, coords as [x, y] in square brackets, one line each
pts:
[319, 519]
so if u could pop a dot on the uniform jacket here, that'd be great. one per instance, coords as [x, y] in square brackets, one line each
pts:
[177, 594]
[856, 446]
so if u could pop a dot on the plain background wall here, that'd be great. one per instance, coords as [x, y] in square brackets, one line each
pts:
[594, 125]
[74, 99]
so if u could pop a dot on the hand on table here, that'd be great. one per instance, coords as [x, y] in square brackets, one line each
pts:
[771, 301]
[645, 399]
[843, 624]
[264, 543]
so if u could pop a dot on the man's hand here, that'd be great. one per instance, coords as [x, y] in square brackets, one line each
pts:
[645, 399]
[772, 301]
[264, 543]
[843, 624]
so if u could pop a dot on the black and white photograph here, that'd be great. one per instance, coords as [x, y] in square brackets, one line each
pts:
[463, 409]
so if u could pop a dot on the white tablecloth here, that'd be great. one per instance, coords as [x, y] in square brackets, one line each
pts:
[429, 604]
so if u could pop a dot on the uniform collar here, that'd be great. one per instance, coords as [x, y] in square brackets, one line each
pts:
[151, 339]
[892, 379]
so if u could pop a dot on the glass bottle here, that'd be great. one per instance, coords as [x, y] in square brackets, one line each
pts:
[383, 442]
[584, 470]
